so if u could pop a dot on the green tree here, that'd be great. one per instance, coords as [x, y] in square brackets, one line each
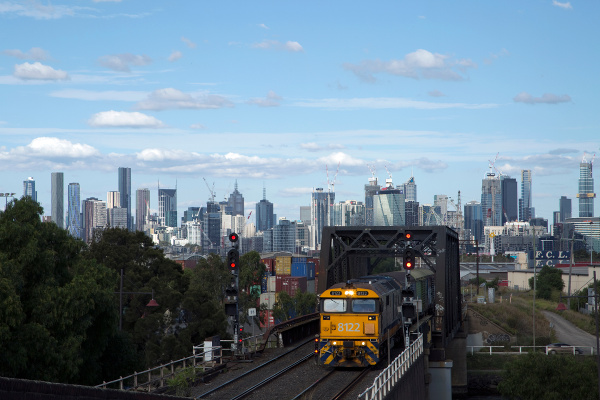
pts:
[549, 279]
[154, 330]
[251, 273]
[287, 307]
[538, 376]
[57, 314]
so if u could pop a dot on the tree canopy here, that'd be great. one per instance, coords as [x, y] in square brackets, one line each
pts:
[549, 279]
[57, 313]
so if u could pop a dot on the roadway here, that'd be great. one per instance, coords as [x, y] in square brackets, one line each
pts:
[568, 333]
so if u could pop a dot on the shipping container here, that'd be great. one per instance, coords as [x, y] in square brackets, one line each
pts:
[299, 269]
[283, 265]
[299, 260]
[269, 264]
[267, 320]
[310, 271]
[264, 283]
[317, 262]
[268, 299]
[292, 284]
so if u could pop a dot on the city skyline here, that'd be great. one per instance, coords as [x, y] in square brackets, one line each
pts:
[264, 98]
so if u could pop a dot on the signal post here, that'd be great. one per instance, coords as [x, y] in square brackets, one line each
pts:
[232, 291]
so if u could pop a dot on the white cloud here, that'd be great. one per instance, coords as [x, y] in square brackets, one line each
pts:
[272, 100]
[116, 119]
[547, 98]
[263, 26]
[416, 65]
[176, 55]
[384, 103]
[165, 155]
[123, 62]
[170, 98]
[436, 93]
[314, 147]
[35, 9]
[89, 95]
[566, 6]
[277, 45]
[51, 147]
[295, 192]
[188, 42]
[494, 56]
[197, 126]
[39, 71]
[35, 54]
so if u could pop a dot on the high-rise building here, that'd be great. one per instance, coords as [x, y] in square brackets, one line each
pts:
[525, 202]
[58, 199]
[371, 189]
[73, 210]
[113, 199]
[474, 220]
[264, 213]
[491, 200]
[586, 193]
[388, 206]
[125, 190]
[510, 199]
[142, 209]
[167, 207]
[305, 214]
[29, 189]
[320, 213]
[348, 213]
[116, 217]
[564, 208]
[410, 189]
[94, 217]
[284, 236]
[236, 201]
[411, 213]
[211, 222]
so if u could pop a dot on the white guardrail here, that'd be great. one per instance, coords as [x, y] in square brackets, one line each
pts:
[387, 379]
[524, 349]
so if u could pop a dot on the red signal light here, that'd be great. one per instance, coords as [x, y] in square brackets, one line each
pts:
[407, 235]
[233, 237]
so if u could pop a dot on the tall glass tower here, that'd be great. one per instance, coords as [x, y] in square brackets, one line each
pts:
[236, 202]
[167, 207]
[29, 188]
[525, 203]
[264, 213]
[142, 208]
[125, 190]
[73, 207]
[586, 193]
[58, 199]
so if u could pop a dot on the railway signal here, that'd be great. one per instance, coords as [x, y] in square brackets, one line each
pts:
[233, 261]
[409, 259]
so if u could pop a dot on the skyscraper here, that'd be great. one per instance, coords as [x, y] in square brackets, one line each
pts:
[371, 189]
[264, 213]
[525, 202]
[125, 190]
[319, 213]
[388, 206]
[410, 189]
[29, 188]
[474, 220]
[586, 193]
[94, 217]
[73, 210]
[113, 199]
[167, 207]
[491, 200]
[510, 199]
[564, 208]
[58, 195]
[142, 208]
[236, 201]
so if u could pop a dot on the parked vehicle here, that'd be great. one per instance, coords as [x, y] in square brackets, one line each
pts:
[562, 348]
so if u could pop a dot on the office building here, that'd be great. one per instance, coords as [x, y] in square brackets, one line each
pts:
[29, 189]
[284, 236]
[142, 209]
[411, 213]
[57, 202]
[525, 202]
[586, 193]
[510, 199]
[348, 213]
[305, 214]
[211, 223]
[116, 217]
[73, 210]
[371, 189]
[564, 209]
[388, 206]
[320, 213]
[410, 189]
[125, 190]
[491, 200]
[113, 199]
[264, 214]
[167, 207]
[474, 220]
[236, 201]
[94, 218]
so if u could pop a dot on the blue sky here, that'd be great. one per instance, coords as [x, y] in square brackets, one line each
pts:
[279, 94]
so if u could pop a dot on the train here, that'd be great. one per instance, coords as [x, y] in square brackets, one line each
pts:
[364, 317]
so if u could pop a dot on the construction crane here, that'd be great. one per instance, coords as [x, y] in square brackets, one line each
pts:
[458, 220]
[491, 174]
[212, 191]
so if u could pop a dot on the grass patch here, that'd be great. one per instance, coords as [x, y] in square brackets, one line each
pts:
[487, 362]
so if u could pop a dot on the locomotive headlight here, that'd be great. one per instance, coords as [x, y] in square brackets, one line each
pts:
[363, 343]
[372, 318]
[349, 292]
[334, 343]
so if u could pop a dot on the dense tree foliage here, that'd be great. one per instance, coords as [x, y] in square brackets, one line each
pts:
[287, 307]
[549, 279]
[538, 376]
[57, 314]
[250, 276]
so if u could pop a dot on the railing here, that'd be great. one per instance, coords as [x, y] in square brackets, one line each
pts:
[157, 376]
[386, 380]
[519, 349]
[202, 359]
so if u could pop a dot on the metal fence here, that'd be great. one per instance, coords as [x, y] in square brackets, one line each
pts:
[523, 349]
[385, 381]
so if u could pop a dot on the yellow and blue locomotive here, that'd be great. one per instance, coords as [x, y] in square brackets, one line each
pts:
[358, 319]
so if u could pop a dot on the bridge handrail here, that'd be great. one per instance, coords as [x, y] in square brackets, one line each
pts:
[387, 379]
[159, 372]
[513, 349]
